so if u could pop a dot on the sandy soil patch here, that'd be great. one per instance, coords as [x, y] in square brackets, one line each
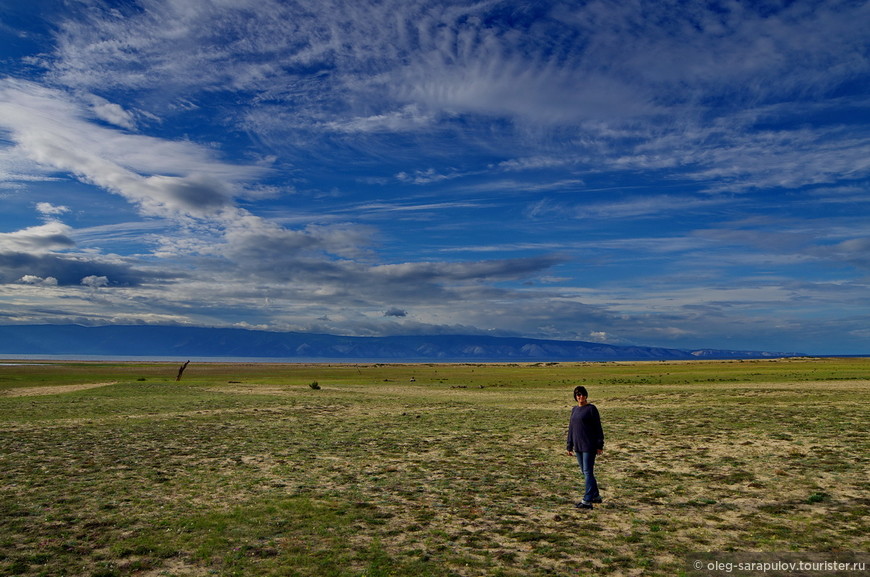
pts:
[55, 390]
[177, 567]
[250, 389]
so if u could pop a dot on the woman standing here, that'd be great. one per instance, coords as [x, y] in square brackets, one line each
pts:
[586, 440]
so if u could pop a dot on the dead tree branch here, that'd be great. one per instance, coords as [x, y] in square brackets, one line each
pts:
[181, 370]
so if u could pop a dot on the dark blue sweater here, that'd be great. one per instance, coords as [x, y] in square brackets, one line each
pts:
[585, 434]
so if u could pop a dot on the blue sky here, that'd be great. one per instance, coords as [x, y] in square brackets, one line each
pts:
[671, 173]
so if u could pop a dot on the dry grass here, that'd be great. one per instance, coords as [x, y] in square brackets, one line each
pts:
[461, 472]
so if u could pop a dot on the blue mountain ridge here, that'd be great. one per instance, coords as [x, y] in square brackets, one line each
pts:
[185, 341]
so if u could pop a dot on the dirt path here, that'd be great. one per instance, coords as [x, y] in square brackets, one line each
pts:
[55, 390]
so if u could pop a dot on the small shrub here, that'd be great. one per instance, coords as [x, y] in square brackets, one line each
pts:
[315, 385]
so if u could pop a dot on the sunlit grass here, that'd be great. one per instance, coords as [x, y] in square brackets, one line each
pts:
[248, 470]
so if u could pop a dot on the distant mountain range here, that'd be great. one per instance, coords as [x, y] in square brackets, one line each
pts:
[198, 342]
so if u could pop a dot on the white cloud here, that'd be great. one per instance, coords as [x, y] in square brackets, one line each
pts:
[427, 176]
[49, 210]
[163, 178]
[42, 239]
[408, 118]
[17, 172]
[630, 208]
[535, 163]
[38, 281]
[111, 112]
[94, 281]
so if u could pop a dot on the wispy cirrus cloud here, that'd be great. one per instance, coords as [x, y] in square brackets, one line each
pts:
[599, 76]
[573, 62]
[628, 208]
[49, 210]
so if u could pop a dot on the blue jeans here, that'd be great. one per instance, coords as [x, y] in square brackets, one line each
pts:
[586, 460]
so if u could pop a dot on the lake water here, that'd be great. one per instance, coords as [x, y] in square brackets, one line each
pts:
[289, 360]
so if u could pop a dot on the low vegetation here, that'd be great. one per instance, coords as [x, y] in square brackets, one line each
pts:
[116, 469]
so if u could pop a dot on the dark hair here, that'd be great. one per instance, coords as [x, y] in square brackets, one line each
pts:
[580, 391]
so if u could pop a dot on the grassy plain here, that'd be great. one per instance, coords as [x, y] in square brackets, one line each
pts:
[115, 469]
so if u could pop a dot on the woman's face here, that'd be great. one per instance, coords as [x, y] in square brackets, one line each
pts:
[581, 399]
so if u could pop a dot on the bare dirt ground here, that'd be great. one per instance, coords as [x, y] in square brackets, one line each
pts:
[52, 390]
